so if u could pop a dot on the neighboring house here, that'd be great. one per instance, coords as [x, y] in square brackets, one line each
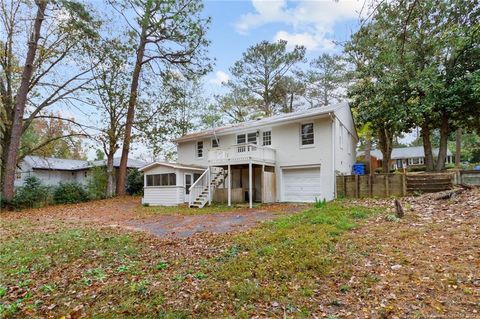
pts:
[291, 157]
[405, 157]
[52, 171]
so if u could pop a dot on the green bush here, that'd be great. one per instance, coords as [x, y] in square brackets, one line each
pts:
[134, 182]
[31, 194]
[67, 193]
[97, 183]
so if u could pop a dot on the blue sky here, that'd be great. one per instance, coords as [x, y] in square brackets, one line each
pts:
[236, 25]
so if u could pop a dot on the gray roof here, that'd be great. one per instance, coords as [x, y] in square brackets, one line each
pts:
[317, 111]
[63, 164]
[404, 152]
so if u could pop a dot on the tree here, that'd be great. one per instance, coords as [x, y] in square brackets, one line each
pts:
[287, 91]
[167, 34]
[237, 104]
[60, 34]
[326, 80]
[52, 137]
[261, 71]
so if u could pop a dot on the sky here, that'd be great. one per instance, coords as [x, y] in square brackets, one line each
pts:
[237, 25]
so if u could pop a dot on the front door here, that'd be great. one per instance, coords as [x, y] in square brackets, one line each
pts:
[188, 183]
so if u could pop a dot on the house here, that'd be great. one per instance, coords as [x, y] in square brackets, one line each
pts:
[52, 171]
[405, 157]
[291, 157]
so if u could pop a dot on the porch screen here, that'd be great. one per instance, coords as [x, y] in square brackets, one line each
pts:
[162, 179]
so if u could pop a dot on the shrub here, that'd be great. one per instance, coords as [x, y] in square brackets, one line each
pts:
[320, 203]
[134, 182]
[97, 183]
[31, 194]
[67, 193]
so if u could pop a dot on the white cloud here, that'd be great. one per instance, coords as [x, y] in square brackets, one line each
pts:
[312, 22]
[220, 78]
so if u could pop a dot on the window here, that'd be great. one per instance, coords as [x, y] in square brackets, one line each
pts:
[252, 138]
[162, 179]
[85, 174]
[307, 134]
[241, 138]
[199, 149]
[267, 138]
[215, 142]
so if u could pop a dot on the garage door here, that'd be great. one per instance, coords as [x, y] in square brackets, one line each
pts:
[301, 184]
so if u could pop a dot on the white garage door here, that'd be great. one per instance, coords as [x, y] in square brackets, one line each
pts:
[301, 184]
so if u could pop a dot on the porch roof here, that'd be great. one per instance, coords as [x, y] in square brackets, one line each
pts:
[172, 165]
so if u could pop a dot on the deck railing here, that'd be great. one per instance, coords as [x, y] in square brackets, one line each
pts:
[241, 153]
[202, 183]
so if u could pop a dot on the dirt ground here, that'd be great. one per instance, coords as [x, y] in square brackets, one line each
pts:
[126, 213]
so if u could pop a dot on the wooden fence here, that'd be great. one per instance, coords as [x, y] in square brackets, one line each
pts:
[469, 177]
[377, 185]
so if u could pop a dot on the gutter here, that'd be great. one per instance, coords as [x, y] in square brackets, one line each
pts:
[334, 139]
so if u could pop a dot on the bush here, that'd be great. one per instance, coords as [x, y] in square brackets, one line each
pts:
[69, 193]
[31, 194]
[97, 183]
[417, 168]
[134, 182]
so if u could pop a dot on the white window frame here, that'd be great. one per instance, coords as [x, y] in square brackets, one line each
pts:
[217, 140]
[246, 138]
[301, 133]
[269, 137]
[197, 148]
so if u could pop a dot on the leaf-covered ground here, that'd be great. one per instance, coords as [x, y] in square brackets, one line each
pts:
[348, 259]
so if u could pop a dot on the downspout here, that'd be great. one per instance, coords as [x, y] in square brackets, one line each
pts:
[334, 139]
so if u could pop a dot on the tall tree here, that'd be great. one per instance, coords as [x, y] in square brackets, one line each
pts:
[59, 36]
[168, 34]
[261, 70]
[111, 98]
[326, 80]
[237, 104]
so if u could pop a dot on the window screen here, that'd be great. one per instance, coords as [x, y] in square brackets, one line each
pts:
[307, 134]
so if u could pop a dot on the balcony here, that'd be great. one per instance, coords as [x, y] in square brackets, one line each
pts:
[241, 154]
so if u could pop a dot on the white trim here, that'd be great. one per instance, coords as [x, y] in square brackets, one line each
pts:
[171, 165]
[300, 134]
[196, 149]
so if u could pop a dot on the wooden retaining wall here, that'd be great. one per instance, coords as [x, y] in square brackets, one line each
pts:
[469, 177]
[377, 185]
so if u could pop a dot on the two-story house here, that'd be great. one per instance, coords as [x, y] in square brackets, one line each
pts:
[291, 157]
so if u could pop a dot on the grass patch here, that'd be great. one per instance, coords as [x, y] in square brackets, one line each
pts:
[185, 210]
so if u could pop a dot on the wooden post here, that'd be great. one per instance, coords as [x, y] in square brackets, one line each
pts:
[209, 179]
[357, 188]
[250, 195]
[344, 186]
[404, 184]
[262, 183]
[370, 186]
[387, 186]
[229, 190]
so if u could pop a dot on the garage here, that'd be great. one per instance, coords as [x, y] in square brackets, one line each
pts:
[301, 184]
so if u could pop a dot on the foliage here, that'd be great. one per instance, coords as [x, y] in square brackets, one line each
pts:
[31, 194]
[320, 203]
[134, 182]
[326, 80]
[70, 193]
[97, 182]
[261, 72]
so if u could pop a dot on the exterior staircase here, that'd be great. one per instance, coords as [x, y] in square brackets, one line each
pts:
[201, 194]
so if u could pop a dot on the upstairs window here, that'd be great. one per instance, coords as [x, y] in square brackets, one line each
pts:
[267, 138]
[241, 138]
[215, 142]
[162, 179]
[252, 138]
[307, 134]
[200, 149]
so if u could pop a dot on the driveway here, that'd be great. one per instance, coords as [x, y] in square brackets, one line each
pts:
[127, 213]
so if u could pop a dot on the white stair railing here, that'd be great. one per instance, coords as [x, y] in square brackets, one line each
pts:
[198, 186]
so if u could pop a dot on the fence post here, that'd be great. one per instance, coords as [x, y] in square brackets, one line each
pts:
[344, 185]
[370, 186]
[404, 184]
[387, 186]
[357, 190]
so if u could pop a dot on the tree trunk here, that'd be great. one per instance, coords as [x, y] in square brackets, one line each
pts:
[427, 148]
[458, 147]
[20, 102]
[442, 151]
[132, 102]
[385, 139]
[110, 174]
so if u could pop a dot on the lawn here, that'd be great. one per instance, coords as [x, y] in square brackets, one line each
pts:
[70, 271]
[185, 210]
[347, 259]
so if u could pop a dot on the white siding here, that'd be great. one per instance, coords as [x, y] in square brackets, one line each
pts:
[163, 195]
[302, 184]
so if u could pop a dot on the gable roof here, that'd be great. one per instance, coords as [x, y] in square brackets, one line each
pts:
[404, 152]
[63, 164]
[172, 165]
[267, 121]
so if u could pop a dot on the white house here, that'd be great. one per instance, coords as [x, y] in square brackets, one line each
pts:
[291, 157]
[52, 171]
